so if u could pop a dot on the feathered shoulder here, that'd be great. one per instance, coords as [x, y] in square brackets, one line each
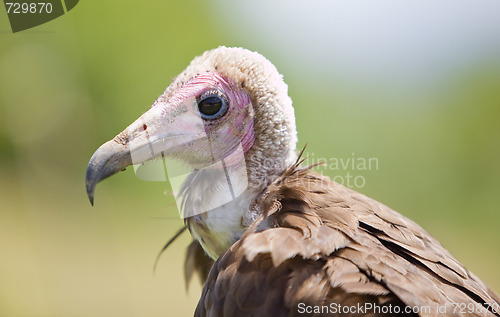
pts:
[320, 243]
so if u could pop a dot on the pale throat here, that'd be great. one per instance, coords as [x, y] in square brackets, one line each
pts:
[218, 228]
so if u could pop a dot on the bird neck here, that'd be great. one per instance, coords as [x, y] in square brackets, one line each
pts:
[217, 229]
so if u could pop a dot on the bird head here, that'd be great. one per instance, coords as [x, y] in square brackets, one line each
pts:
[228, 100]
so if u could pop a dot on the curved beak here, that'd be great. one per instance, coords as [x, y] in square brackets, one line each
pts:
[109, 159]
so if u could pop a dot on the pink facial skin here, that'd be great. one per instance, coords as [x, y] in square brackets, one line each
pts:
[233, 129]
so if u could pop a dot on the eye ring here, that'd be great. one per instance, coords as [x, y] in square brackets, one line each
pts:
[212, 105]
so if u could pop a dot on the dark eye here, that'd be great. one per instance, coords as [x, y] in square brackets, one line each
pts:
[212, 106]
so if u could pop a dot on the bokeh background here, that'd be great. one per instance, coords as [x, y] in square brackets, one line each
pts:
[415, 84]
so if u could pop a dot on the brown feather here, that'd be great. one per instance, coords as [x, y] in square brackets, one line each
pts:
[197, 262]
[318, 242]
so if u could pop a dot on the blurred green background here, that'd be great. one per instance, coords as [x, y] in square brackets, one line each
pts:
[416, 86]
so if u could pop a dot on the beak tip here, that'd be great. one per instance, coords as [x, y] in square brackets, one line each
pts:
[90, 192]
[109, 159]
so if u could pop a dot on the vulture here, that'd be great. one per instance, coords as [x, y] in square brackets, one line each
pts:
[272, 237]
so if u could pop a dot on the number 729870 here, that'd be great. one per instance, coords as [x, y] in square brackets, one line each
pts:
[24, 8]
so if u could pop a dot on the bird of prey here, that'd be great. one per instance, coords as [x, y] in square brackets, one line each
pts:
[271, 236]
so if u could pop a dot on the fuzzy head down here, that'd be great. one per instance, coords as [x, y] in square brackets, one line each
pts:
[274, 120]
